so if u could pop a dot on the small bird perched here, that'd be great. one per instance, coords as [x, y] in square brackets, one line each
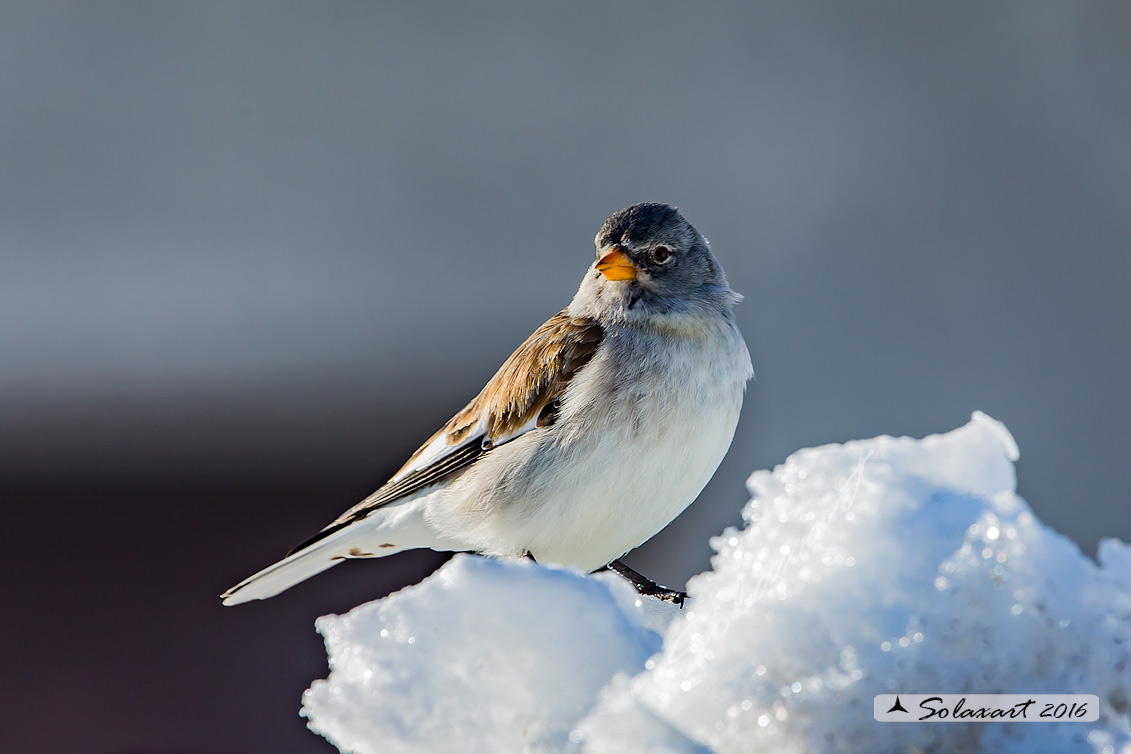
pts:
[598, 431]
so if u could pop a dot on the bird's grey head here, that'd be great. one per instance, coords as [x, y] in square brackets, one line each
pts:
[650, 261]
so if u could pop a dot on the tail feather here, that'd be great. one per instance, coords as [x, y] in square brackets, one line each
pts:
[385, 531]
[296, 567]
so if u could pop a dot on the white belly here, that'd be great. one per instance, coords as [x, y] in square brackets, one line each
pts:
[617, 466]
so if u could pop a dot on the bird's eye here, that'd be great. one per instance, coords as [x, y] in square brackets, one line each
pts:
[661, 254]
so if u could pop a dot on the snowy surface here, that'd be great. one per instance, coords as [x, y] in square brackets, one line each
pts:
[484, 656]
[883, 565]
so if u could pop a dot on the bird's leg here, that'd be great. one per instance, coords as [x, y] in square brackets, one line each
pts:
[645, 585]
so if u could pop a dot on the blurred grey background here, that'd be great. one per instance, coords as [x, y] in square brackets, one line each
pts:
[252, 253]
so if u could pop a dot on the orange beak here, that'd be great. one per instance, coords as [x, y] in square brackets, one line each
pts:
[616, 265]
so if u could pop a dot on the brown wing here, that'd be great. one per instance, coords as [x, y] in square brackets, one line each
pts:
[533, 377]
[523, 394]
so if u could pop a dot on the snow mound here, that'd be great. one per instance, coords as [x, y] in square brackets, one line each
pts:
[484, 656]
[877, 566]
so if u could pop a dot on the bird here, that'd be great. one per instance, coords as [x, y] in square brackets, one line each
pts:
[602, 427]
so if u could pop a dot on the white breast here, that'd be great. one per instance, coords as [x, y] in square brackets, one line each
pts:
[640, 432]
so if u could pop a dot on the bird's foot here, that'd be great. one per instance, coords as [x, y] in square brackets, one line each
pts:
[646, 586]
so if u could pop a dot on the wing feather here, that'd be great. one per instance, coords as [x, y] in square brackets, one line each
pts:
[522, 395]
[535, 375]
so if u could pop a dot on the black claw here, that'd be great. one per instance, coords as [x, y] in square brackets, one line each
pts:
[646, 586]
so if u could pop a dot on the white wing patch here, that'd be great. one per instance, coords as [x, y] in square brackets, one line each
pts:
[437, 450]
[507, 437]
[440, 448]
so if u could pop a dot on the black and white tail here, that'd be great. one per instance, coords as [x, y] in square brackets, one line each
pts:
[384, 531]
